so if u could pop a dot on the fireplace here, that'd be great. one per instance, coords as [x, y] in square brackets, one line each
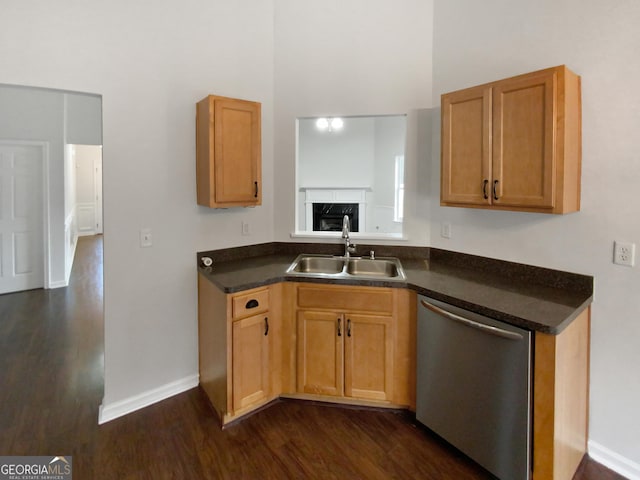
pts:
[327, 217]
[324, 208]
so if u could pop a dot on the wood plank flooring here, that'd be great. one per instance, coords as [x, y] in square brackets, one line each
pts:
[51, 374]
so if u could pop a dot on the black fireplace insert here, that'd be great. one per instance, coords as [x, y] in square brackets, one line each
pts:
[327, 217]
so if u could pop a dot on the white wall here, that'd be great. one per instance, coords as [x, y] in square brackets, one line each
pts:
[83, 118]
[151, 63]
[337, 58]
[342, 158]
[476, 42]
[70, 219]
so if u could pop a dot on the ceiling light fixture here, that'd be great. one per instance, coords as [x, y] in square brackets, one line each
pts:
[329, 124]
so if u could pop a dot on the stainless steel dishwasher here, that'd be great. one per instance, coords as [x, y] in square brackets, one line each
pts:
[474, 386]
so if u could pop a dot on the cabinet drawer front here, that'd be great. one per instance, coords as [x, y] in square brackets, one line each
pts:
[377, 300]
[256, 301]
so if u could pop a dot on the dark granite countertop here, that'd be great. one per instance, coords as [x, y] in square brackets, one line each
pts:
[535, 298]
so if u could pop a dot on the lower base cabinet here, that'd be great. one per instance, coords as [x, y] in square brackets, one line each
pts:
[354, 344]
[320, 352]
[236, 348]
[345, 354]
[250, 364]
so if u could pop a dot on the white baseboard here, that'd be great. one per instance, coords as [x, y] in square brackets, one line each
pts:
[616, 462]
[58, 284]
[131, 404]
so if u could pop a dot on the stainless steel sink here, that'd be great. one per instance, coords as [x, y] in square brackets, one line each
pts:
[381, 267]
[335, 267]
[309, 264]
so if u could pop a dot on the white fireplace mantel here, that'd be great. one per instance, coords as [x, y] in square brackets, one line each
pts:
[335, 195]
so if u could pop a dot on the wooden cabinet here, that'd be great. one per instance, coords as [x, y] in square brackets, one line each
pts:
[354, 342]
[320, 352]
[368, 357]
[561, 400]
[228, 152]
[236, 348]
[514, 144]
[345, 354]
[250, 361]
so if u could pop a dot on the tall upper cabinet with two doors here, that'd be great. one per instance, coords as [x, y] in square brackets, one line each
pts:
[228, 152]
[514, 144]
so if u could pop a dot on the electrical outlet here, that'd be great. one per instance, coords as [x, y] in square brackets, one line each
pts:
[445, 230]
[146, 240]
[624, 253]
[245, 228]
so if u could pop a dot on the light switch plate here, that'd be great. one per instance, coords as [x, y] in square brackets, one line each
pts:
[445, 230]
[146, 240]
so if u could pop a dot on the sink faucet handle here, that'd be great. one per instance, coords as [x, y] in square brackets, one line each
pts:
[372, 255]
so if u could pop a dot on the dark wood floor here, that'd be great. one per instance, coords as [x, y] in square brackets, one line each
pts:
[51, 374]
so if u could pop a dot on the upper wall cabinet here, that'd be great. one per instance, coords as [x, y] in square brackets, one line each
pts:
[514, 144]
[228, 153]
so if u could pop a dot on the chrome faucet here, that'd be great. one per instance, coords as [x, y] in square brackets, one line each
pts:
[349, 248]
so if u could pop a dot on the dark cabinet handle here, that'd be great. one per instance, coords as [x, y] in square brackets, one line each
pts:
[495, 188]
[348, 327]
[256, 185]
[339, 328]
[484, 188]
[253, 303]
[266, 326]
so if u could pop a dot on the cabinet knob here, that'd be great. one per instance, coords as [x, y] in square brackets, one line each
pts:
[253, 303]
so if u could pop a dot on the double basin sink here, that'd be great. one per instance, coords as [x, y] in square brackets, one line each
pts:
[328, 266]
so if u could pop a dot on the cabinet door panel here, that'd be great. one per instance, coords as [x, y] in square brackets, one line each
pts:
[466, 146]
[320, 353]
[369, 357]
[250, 361]
[524, 141]
[237, 151]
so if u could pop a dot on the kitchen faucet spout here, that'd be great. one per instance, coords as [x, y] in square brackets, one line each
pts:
[346, 226]
[348, 246]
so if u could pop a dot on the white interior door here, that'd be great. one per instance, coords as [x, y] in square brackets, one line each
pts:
[21, 218]
[88, 164]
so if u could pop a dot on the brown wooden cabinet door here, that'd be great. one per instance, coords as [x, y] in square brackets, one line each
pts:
[466, 147]
[368, 357]
[237, 151]
[514, 144]
[250, 361]
[320, 352]
[524, 123]
[228, 152]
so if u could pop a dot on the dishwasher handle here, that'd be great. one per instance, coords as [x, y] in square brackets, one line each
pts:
[470, 323]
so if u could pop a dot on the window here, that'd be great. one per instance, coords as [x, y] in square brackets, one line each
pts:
[398, 204]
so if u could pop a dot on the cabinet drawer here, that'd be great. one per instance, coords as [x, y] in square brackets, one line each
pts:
[250, 303]
[377, 300]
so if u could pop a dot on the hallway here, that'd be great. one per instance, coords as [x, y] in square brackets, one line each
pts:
[51, 360]
[51, 384]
